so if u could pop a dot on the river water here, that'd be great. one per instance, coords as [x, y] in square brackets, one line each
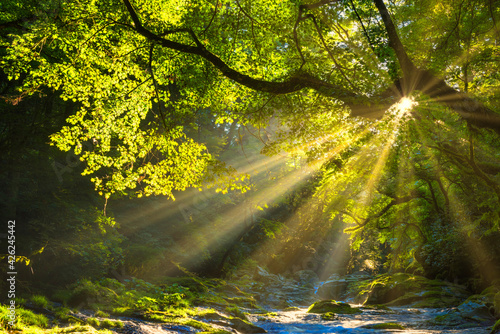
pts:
[415, 321]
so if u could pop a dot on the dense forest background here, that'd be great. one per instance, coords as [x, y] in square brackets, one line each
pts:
[292, 136]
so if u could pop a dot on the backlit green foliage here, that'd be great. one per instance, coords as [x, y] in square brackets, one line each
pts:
[23, 318]
[39, 301]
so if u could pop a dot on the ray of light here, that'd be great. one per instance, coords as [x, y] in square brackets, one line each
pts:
[283, 185]
[241, 216]
[294, 224]
[400, 110]
[405, 106]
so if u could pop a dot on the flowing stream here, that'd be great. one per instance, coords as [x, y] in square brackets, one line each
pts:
[414, 320]
[299, 321]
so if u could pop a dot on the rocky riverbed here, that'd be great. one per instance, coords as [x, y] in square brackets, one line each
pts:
[261, 302]
[287, 301]
[298, 321]
[409, 320]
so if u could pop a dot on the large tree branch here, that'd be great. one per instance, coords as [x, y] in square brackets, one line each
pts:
[290, 85]
[18, 24]
[474, 112]
[407, 66]
[414, 79]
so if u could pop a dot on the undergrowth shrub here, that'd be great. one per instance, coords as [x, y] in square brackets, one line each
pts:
[23, 318]
[113, 296]
[39, 301]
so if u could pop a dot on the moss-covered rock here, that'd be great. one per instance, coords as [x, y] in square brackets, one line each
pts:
[496, 303]
[467, 314]
[454, 320]
[76, 329]
[405, 289]
[243, 326]
[331, 306]
[243, 301]
[194, 284]
[211, 316]
[333, 288]
[380, 307]
[475, 311]
[385, 325]
[496, 328]
[291, 309]
[329, 316]
[488, 301]
[236, 311]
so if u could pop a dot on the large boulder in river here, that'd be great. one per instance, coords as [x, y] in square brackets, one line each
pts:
[412, 290]
[475, 311]
[488, 299]
[466, 315]
[333, 289]
[262, 275]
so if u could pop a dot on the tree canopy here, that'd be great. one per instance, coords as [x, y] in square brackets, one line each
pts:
[140, 72]
[394, 104]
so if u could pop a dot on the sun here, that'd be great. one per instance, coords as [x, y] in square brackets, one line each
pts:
[405, 105]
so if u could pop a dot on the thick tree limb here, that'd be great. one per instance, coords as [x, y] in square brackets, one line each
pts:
[292, 84]
[17, 23]
[474, 112]
[405, 63]
[414, 79]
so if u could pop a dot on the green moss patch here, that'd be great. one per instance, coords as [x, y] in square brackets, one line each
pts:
[237, 312]
[331, 306]
[242, 301]
[377, 307]
[76, 329]
[291, 309]
[39, 301]
[329, 316]
[385, 325]
[23, 318]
